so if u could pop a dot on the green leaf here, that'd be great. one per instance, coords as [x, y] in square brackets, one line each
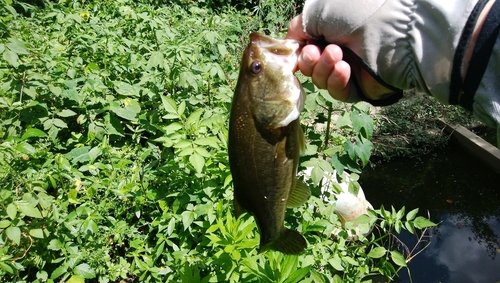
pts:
[412, 214]
[398, 258]
[297, 275]
[4, 224]
[194, 117]
[66, 113]
[129, 111]
[79, 154]
[127, 89]
[29, 210]
[422, 222]
[17, 46]
[76, 279]
[5, 267]
[208, 141]
[25, 147]
[55, 245]
[155, 60]
[37, 233]
[84, 270]
[377, 252]
[187, 218]
[12, 211]
[33, 132]
[410, 227]
[59, 123]
[362, 123]
[11, 57]
[58, 272]
[169, 104]
[222, 49]
[14, 233]
[197, 161]
[336, 263]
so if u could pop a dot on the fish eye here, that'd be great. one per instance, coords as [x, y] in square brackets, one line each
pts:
[256, 67]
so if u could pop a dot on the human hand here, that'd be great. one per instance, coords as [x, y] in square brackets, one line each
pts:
[326, 69]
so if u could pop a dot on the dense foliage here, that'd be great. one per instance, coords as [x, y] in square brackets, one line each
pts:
[113, 163]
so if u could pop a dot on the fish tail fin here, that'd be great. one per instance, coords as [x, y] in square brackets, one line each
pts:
[290, 242]
[299, 195]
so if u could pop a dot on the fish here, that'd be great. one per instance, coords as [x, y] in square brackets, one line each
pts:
[265, 140]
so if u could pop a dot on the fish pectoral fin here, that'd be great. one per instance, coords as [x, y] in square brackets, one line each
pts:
[238, 209]
[290, 242]
[299, 194]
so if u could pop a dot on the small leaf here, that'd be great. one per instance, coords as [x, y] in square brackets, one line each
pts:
[187, 219]
[5, 267]
[66, 113]
[84, 270]
[75, 279]
[298, 274]
[12, 211]
[222, 49]
[29, 210]
[59, 123]
[336, 263]
[4, 224]
[197, 161]
[17, 46]
[25, 147]
[55, 245]
[169, 104]
[79, 154]
[398, 258]
[412, 214]
[37, 233]
[33, 132]
[58, 272]
[11, 57]
[14, 233]
[377, 252]
[422, 222]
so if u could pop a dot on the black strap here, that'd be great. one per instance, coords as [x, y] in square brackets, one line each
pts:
[397, 94]
[481, 55]
[479, 59]
[456, 73]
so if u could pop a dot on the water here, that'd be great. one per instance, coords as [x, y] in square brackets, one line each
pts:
[461, 193]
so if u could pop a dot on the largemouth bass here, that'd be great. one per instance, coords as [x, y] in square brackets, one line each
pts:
[265, 138]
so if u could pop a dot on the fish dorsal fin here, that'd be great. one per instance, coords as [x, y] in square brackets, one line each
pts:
[299, 194]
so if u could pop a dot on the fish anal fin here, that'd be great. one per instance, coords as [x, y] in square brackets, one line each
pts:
[290, 242]
[299, 194]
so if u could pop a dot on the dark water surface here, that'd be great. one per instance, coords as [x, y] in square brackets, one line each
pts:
[461, 193]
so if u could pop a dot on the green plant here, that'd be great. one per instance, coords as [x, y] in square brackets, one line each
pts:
[113, 163]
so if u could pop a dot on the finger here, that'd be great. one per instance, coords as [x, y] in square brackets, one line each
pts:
[296, 30]
[338, 81]
[309, 56]
[325, 65]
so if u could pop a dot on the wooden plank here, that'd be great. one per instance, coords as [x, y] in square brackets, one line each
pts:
[485, 151]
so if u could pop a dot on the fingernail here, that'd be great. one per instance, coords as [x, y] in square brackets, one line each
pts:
[336, 73]
[327, 60]
[307, 59]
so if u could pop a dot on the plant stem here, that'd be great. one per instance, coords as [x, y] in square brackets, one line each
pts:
[328, 123]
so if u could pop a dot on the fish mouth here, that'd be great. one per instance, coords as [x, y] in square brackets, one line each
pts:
[283, 46]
